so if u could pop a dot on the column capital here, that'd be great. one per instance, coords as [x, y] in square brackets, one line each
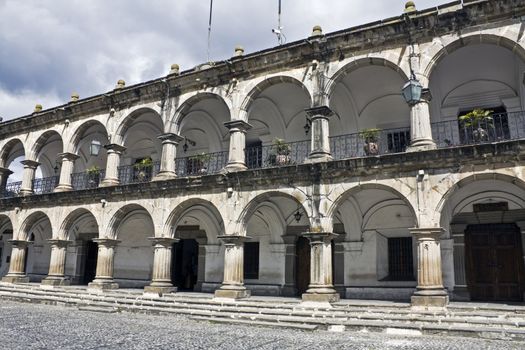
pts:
[164, 241]
[170, 138]
[107, 242]
[319, 237]
[28, 163]
[319, 111]
[68, 156]
[425, 234]
[233, 239]
[5, 171]
[19, 243]
[115, 148]
[237, 125]
[61, 243]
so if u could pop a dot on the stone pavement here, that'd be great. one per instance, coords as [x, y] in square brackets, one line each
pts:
[32, 326]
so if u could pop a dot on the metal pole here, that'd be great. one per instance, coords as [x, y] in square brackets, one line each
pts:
[209, 30]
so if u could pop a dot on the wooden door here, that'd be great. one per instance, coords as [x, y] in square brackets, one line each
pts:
[494, 262]
[302, 265]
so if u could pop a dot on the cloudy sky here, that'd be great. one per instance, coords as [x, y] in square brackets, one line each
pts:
[49, 49]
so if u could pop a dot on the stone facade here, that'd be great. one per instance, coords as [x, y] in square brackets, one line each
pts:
[191, 158]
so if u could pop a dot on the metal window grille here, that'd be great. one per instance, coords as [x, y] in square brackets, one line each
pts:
[400, 259]
[251, 260]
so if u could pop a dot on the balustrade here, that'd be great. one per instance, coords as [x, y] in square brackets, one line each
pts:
[201, 164]
[277, 154]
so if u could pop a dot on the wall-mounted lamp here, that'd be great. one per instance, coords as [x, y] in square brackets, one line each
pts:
[94, 148]
[307, 126]
[297, 215]
[55, 169]
[103, 202]
[186, 141]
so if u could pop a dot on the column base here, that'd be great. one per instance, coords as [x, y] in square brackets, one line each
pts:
[102, 285]
[321, 297]
[25, 192]
[163, 176]
[423, 145]
[16, 279]
[63, 188]
[159, 290]
[109, 182]
[429, 298]
[232, 293]
[55, 281]
[232, 167]
[319, 157]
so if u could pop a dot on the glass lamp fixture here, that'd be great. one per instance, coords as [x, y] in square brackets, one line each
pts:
[94, 148]
[412, 91]
[297, 216]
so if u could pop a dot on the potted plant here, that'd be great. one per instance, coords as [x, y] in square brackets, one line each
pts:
[280, 152]
[93, 175]
[479, 121]
[371, 137]
[143, 167]
[199, 163]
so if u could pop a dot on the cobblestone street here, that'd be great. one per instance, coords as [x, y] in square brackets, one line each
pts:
[31, 326]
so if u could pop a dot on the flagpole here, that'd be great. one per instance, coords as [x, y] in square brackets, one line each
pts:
[209, 30]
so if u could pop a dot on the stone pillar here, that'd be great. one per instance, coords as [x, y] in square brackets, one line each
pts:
[17, 266]
[57, 264]
[169, 152]
[233, 284]
[161, 276]
[420, 128]
[289, 289]
[236, 157]
[430, 290]
[68, 163]
[4, 175]
[106, 254]
[28, 177]
[112, 164]
[320, 132]
[321, 288]
[201, 264]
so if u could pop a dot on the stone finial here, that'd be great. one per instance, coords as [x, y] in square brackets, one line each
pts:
[120, 84]
[38, 108]
[75, 97]
[410, 6]
[317, 31]
[239, 51]
[174, 69]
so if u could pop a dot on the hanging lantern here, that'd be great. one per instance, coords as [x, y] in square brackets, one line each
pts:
[412, 91]
[297, 216]
[94, 148]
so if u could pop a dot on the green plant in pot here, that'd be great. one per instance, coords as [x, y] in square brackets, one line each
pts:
[479, 121]
[143, 167]
[280, 152]
[371, 138]
[200, 162]
[93, 175]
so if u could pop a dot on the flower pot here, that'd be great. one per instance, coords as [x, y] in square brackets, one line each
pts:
[371, 148]
[282, 159]
[480, 135]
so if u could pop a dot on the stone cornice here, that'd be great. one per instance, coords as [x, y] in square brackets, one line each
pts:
[425, 25]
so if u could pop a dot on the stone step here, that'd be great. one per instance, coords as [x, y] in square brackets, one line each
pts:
[105, 310]
[304, 327]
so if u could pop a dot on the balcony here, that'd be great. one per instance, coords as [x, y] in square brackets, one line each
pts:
[277, 154]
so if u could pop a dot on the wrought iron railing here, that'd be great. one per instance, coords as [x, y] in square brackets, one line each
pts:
[202, 164]
[137, 173]
[87, 179]
[500, 127]
[45, 185]
[354, 145]
[12, 189]
[277, 155]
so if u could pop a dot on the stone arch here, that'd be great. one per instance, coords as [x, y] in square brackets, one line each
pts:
[5, 223]
[186, 106]
[359, 63]
[208, 214]
[6, 151]
[474, 38]
[64, 232]
[121, 215]
[78, 134]
[127, 122]
[30, 221]
[41, 142]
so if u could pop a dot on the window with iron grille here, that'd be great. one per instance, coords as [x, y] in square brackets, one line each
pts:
[251, 260]
[400, 259]
[398, 141]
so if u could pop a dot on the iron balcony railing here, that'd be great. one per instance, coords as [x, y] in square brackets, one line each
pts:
[201, 164]
[87, 179]
[136, 173]
[12, 189]
[500, 127]
[277, 155]
[354, 145]
[45, 185]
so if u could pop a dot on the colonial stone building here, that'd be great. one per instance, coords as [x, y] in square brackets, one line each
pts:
[334, 166]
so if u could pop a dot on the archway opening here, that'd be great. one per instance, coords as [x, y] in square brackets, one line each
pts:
[185, 264]
[38, 230]
[11, 157]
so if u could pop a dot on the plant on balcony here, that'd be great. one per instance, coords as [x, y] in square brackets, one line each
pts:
[143, 167]
[279, 152]
[199, 163]
[371, 137]
[93, 175]
[479, 121]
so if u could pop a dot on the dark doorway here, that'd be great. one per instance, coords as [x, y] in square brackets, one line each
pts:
[90, 266]
[494, 262]
[302, 265]
[185, 264]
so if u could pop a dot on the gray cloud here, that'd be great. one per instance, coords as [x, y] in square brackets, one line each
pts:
[51, 48]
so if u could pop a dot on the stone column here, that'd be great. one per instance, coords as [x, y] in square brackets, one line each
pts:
[68, 163]
[4, 175]
[430, 290]
[169, 152]
[17, 266]
[420, 128]
[320, 132]
[57, 264]
[28, 177]
[236, 157]
[161, 276]
[289, 289]
[321, 288]
[233, 284]
[112, 164]
[106, 254]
